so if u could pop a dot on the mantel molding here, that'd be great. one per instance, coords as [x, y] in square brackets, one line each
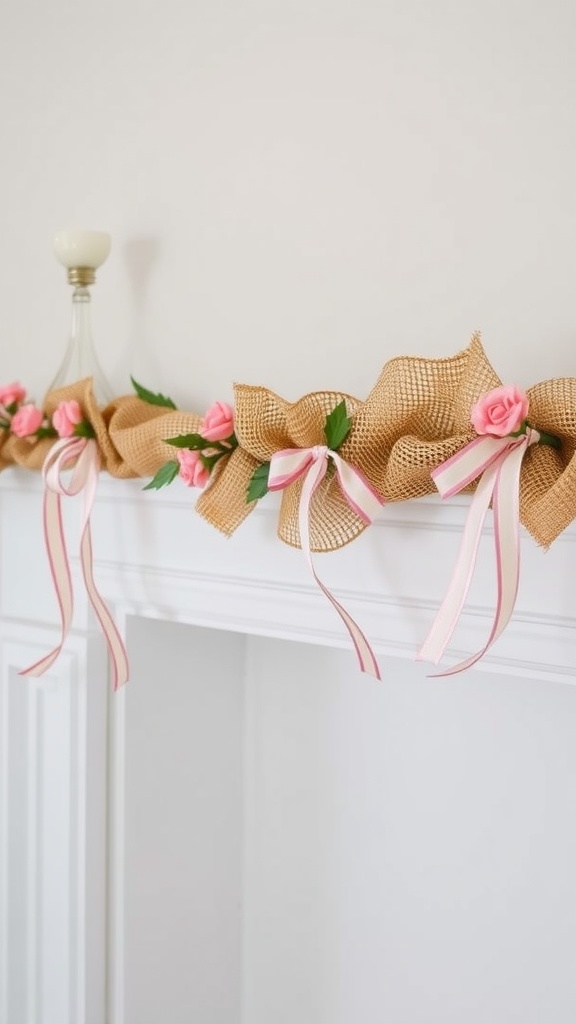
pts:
[63, 750]
[155, 557]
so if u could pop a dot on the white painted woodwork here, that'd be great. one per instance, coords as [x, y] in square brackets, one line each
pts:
[254, 832]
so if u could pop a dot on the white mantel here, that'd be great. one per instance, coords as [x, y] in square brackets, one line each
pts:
[68, 857]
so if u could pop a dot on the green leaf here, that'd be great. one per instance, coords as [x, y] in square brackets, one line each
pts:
[549, 439]
[165, 475]
[193, 441]
[151, 397]
[84, 429]
[46, 432]
[258, 485]
[337, 426]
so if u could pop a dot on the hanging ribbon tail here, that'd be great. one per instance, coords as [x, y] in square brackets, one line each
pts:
[84, 453]
[287, 466]
[450, 610]
[55, 543]
[364, 652]
[500, 482]
[114, 642]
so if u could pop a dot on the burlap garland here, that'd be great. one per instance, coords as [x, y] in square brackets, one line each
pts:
[130, 433]
[265, 424]
[31, 452]
[223, 503]
[137, 433]
[416, 416]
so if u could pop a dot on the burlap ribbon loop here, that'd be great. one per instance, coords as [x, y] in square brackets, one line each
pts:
[417, 416]
[137, 433]
[266, 424]
[548, 480]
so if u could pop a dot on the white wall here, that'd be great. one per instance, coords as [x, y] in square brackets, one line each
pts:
[410, 846]
[183, 801]
[304, 846]
[297, 189]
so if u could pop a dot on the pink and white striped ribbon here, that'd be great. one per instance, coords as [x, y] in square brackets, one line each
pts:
[498, 461]
[84, 452]
[287, 466]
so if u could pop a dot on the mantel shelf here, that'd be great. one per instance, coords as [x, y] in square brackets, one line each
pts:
[155, 557]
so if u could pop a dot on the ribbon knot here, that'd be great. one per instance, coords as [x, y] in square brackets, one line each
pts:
[497, 461]
[81, 453]
[319, 451]
[287, 466]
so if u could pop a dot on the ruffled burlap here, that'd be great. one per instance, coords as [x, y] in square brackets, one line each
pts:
[137, 433]
[548, 481]
[130, 433]
[30, 452]
[23, 451]
[265, 423]
[223, 503]
[416, 416]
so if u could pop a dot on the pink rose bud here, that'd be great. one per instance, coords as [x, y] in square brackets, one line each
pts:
[26, 420]
[66, 417]
[500, 412]
[218, 422]
[12, 393]
[192, 471]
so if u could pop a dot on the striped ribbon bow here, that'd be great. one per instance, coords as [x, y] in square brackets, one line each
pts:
[84, 453]
[287, 466]
[498, 461]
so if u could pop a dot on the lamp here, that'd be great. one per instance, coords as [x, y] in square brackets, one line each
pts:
[82, 252]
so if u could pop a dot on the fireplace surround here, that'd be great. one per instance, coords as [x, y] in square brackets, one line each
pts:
[143, 831]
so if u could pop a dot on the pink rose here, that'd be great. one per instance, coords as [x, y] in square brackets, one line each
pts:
[66, 417]
[192, 471]
[500, 412]
[218, 422]
[26, 420]
[11, 394]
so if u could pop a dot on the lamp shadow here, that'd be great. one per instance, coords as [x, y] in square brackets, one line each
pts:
[140, 257]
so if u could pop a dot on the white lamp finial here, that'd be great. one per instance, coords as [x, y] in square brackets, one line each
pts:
[81, 252]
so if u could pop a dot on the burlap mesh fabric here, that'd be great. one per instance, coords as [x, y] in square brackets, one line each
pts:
[137, 433]
[548, 480]
[23, 451]
[417, 415]
[265, 424]
[427, 420]
[130, 433]
[223, 503]
[31, 452]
